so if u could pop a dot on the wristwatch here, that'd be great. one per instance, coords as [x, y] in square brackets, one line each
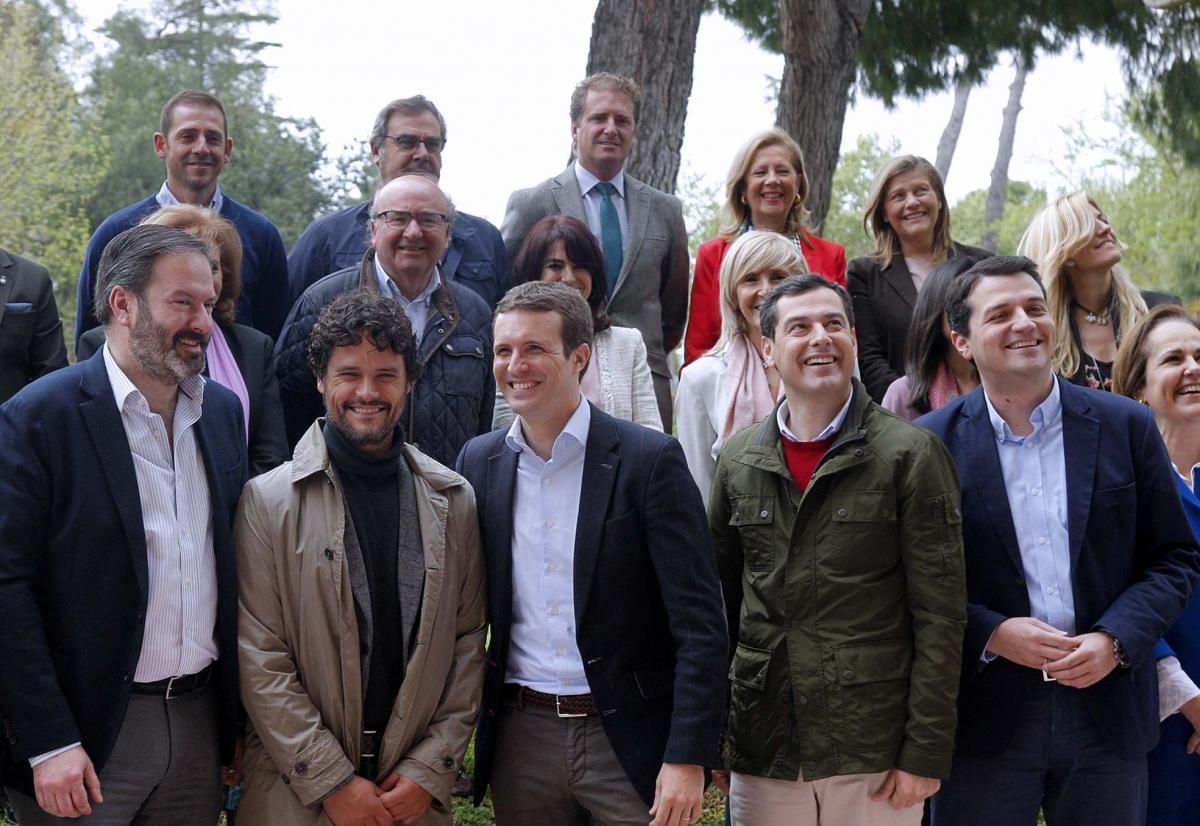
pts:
[1119, 653]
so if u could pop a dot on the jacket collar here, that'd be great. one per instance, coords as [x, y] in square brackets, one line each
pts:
[766, 451]
[312, 457]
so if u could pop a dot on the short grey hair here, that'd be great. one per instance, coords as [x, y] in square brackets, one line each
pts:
[451, 211]
[129, 259]
[414, 105]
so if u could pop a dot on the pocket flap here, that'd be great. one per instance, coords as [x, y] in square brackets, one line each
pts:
[864, 506]
[873, 662]
[749, 667]
[752, 510]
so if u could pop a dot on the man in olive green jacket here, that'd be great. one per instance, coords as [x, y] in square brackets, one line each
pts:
[838, 534]
[362, 600]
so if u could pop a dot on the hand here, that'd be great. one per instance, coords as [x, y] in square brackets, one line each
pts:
[902, 790]
[721, 778]
[1191, 710]
[405, 799]
[356, 804]
[678, 794]
[231, 775]
[63, 784]
[1091, 661]
[1030, 642]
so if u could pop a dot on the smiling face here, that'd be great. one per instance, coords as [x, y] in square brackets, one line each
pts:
[911, 208]
[559, 267]
[770, 187]
[535, 375]
[1102, 252]
[1172, 388]
[604, 133]
[751, 290]
[195, 150]
[814, 347]
[1010, 335]
[171, 322]
[364, 389]
[409, 255]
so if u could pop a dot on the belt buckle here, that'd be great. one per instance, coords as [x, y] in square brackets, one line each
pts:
[170, 685]
[563, 714]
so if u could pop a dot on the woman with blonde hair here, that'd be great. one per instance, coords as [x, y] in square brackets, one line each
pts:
[765, 190]
[733, 385]
[1091, 297]
[909, 218]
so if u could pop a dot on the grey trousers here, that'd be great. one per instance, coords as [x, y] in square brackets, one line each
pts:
[551, 771]
[164, 769]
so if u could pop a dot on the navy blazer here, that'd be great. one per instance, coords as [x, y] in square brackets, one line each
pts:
[1134, 561]
[73, 570]
[650, 621]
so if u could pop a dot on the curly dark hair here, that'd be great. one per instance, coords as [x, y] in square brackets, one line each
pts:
[363, 314]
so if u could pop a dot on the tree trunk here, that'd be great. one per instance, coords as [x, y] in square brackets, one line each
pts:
[949, 139]
[820, 44]
[998, 191]
[653, 42]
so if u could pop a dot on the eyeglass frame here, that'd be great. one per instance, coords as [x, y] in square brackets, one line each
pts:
[443, 219]
[418, 141]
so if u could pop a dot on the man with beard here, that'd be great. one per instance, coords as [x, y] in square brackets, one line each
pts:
[362, 603]
[118, 589]
[408, 136]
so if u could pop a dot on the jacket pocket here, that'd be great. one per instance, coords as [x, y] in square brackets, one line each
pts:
[758, 715]
[872, 694]
[466, 366]
[754, 518]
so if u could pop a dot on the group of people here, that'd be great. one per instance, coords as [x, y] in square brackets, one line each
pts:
[304, 525]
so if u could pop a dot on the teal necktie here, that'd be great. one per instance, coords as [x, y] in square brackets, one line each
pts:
[610, 235]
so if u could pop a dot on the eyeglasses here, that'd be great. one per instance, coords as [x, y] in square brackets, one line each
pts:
[397, 219]
[409, 143]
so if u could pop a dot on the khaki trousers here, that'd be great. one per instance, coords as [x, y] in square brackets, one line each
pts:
[833, 801]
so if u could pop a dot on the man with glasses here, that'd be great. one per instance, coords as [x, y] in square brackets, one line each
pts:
[410, 222]
[408, 136]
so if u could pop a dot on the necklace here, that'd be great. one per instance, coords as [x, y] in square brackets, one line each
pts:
[1093, 316]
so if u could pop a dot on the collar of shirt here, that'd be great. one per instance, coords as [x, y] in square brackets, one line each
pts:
[576, 431]
[192, 389]
[388, 286]
[1046, 413]
[1189, 478]
[167, 198]
[782, 414]
[587, 181]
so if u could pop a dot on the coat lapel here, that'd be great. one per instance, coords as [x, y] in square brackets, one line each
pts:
[600, 464]
[900, 280]
[567, 197]
[1081, 446]
[497, 517]
[103, 422]
[637, 203]
[983, 474]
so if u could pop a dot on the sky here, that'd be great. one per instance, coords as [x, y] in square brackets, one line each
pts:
[502, 75]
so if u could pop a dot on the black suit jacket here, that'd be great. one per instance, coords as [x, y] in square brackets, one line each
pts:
[254, 353]
[73, 570]
[1134, 561]
[31, 335]
[650, 622]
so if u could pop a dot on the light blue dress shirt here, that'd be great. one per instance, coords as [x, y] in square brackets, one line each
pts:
[166, 197]
[1035, 477]
[592, 198]
[417, 309]
[543, 654]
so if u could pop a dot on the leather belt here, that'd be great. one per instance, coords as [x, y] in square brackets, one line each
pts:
[564, 705]
[174, 687]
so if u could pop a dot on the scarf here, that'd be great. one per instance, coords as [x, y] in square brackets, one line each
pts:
[224, 370]
[748, 396]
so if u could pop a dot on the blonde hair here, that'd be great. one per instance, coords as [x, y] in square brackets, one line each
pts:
[754, 251]
[209, 226]
[734, 211]
[887, 242]
[1057, 233]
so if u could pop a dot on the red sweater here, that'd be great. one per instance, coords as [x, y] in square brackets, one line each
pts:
[704, 314]
[803, 457]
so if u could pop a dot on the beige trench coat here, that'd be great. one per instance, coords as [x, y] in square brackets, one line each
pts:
[299, 654]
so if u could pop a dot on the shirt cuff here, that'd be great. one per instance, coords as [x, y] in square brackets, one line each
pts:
[42, 758]
[1175, 687]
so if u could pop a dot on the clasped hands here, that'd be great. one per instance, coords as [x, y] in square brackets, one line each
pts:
[1076, 662]
[361, 803]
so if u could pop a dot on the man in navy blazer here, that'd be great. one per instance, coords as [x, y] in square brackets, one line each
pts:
[1078, 558]
[120, 477]
[607, 624]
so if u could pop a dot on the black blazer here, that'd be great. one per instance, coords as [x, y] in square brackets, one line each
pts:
[31, 335]
[1134, 561]
[650, 622]
[883, 305]
[254, 353]
[73, 571]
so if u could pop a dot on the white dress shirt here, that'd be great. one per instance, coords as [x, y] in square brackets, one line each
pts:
[543, 654]
[592, 199]
[417, 309]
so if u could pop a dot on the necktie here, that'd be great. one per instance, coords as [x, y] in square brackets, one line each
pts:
[610, 235]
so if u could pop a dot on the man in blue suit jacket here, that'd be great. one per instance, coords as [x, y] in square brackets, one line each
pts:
[118, 593]
[1078, 556]
[607, 624]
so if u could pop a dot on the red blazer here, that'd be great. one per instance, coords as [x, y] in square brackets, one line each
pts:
[704, 316]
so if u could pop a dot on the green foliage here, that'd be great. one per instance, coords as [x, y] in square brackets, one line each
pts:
[54, 156]
[1168, 66]
[701, 207]
[852, 181]
[203, 44]
[1021, 203]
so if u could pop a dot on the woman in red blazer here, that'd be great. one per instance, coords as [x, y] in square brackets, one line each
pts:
[765, 189]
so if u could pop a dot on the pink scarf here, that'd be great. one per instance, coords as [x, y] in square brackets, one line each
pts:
[748, 396]
[943, 389]
[224, 370]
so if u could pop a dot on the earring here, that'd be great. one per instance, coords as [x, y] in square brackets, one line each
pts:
[743, 199]
[1070, 262]
[799, 201]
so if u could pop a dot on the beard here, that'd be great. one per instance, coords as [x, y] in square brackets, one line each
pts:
[363, 438]
[156, 352]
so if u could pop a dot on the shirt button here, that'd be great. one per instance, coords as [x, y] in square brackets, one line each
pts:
[1036, 491]
[551, 567]
[560, 651]
[547, 482]
[554, 611]
[1042, 540]
[842, 512]
[549, 523]
[1050, 589]
[1030, 444]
